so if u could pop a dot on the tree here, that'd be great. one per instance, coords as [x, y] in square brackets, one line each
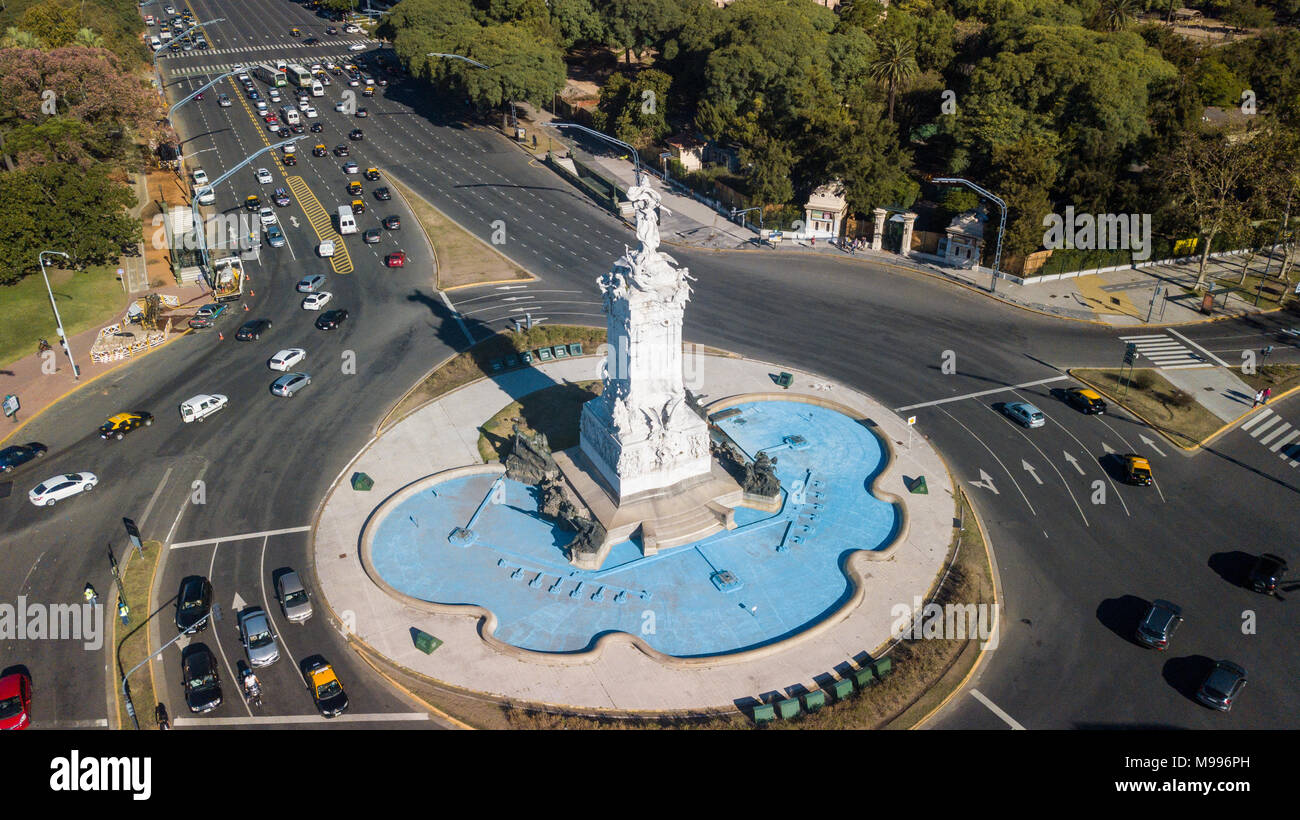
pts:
[577, 23]
[1022, 174]
[1114, 15]
[87, 38]
[15, 38]
[53, 22]
[636, 25]
[895, 66]
[339, 6]
[634, 109]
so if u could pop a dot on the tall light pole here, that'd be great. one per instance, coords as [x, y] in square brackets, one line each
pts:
[636, 158]
[1002, 223]
[67, 347]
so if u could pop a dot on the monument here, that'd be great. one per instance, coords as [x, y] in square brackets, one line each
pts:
[640, 434]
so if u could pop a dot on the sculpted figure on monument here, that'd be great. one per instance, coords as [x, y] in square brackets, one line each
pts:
[646, 201]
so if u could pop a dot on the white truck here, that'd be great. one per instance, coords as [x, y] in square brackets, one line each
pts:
[227, 279]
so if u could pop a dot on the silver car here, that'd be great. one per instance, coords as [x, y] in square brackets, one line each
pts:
[294, 602]
[290, 383]
[259, 640]
[1025, 413]
[311, 284]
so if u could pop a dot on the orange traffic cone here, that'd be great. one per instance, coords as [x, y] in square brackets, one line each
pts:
[245, 308]
[252, 293]
[220, 337]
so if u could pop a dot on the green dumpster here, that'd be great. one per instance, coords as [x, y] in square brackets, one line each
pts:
[842, 689]
[883, 667]
[425, 642]
[788, 708]
[526, 357]
[362, 482]
[764, 714]
[575, 349]
[864, 678]
[544, 354]
[814, 700]
[560, 351]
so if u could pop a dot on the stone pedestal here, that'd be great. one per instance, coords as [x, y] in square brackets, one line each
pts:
[878, 230]
[909, 219]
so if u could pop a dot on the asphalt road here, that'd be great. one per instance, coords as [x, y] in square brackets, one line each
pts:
[1079, 553]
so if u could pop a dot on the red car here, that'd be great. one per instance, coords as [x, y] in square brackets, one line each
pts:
[272, 119]
[15, 701]
[395, 260]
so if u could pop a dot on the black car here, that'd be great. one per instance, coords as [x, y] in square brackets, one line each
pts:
[382, 194]
[361, 112]
[392, 223]
[1086, 401]
[331, 319]
[253, 330]
[253, 203]
[1158, 625]
[1267, 572]
[316, 128]
[120, 424]
[355, 134]
[192, 603]
[253, 95]
[340, 150]
[19, 454]
[1222, 685]
[200, 679]
[310, 41]
[372, 236]
[331, 30]
[297, 128]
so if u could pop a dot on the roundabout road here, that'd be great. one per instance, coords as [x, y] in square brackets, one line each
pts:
[1072, 570]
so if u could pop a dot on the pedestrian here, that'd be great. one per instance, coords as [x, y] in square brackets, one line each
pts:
[1268, 394]
[123, 611]
[160, 715]
[1259, 399]
[814, 241]
[92, 597]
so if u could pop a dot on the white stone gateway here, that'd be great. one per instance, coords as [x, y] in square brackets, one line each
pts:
[640, 434]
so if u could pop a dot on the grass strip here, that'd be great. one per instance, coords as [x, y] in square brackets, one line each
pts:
[1151, 397]
[131, 641]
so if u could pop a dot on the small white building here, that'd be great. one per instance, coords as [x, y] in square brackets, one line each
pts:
[825, 211]
[963, 241]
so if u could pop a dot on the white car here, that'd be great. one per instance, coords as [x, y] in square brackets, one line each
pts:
[267, 216]
[315, 67]
[316, 301]
[273, 96]
[357, 46]
[169, 9]
[341, 107]
[352, 29]
[281, 64]
[263, 176]
[326, 248]
[287, 358]
[309, 111]
[60, 487]
[200, 177]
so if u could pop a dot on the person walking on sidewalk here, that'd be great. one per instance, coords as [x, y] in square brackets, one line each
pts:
[1259, 399]
[1268, 394]
[92, 597]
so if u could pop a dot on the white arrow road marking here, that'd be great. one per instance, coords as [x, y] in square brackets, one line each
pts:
[516, 298]
[986, 481]
[993, 707]
[1148, 442]
[1030, 469]
[1074, 462]
[293, 220]
[1106, 447]
[512, 287]
[238, 604]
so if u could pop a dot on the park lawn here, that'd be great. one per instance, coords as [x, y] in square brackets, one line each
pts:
[1151, 397]
[132, 641]
[553, 411]
[87, 299]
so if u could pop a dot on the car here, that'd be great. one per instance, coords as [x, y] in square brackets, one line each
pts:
[274, 95]
[317, 300]
[289, 160]
[310, 112]
[16, 700]
[358, 206]
[281, 197]
[59, 487]
[354, 188]
[326, 690]
[325, 79]
[357, 47]
[258, 638]
[326, 248]
[356, 135]
[207, 315]
[316, 128]
[352, 29]
[13, 457]
[200, 680]
[372, 236]
[311, 284]
[382, 194]
[120, 424]
[286, 359]
[253, 330]
[368, 91]
[293, 598]
[193, 601]
[1267, 573]
[395, 260]
[293, 32]
[1137, 470]
[1024, 413]
[169, 10]
[276, 129]
[331, 30]
[275, 236]
[372, 174]
[200, 177]
[253, 95]
[297, 128]
[1158, 625]
[340, 150]
[201, 44]
[1222, 685]
[290, 383]
[350, 168]
[319, 150]
[252, 203]
[392, 223]
[1085, 400]
[310, 41]
[266, 215]
[148, 20]
[361, 112]
[223, 101]
[331, 319]
[341, 107]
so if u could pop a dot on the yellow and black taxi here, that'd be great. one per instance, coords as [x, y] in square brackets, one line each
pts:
[252, 203]
[358, 206]
[1137, 470]
[294, 32]
[319, 150]
[372, 174]
[326, 690]
[1085, 400]
[354, 188]
[290, 159]
[119, 425]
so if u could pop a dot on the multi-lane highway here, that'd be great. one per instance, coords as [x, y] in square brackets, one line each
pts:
[1078, 551]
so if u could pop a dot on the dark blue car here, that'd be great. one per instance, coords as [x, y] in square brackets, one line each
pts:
[19, 454]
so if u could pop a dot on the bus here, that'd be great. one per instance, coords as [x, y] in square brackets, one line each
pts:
[298, 76]
[270, 75]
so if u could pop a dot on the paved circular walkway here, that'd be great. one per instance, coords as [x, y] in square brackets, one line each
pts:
[622, 672]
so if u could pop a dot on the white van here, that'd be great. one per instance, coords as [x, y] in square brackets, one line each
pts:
[207, 197]
[347, 221]
[290, 115]
[201, 406]
[317, 90]
[155, 43]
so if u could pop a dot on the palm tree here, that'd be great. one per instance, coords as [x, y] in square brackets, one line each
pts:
[88, 38]
[895, 66]
[1116, 14]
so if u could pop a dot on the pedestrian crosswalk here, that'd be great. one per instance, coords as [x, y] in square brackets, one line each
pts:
[1278, 435]
[1166, 352]
[198, 71]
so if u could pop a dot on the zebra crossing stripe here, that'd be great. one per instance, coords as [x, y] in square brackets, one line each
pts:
[1284, 442]
[1265, 413]
[1255, 433]
[1277, 432]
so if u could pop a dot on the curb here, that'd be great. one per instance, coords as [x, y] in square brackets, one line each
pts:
[1228, 427]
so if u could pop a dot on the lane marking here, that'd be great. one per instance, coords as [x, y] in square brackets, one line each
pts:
[1284, 442]
[993, 707]
[1277, 432]
[265, 720]
[1255, 433]
[154, 497]
[981, 393]
[242, 537]
[1265, 413]
[995, 458]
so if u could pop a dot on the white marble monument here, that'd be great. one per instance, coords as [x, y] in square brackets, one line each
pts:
[639, 434]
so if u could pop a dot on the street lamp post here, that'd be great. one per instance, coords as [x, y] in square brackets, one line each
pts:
[67, 346]
[1002, 223]
[214, 614]
[636, 158]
